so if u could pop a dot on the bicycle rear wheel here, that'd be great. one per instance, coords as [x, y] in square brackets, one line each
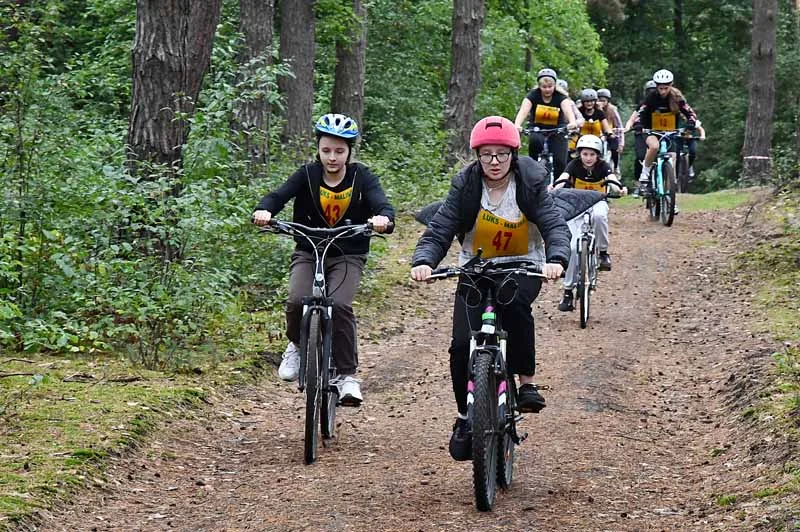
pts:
[584, 284]
[313, 387]
[505, 416]
[484, 431]
[668, 199]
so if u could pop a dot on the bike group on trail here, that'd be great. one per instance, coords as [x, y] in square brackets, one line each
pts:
[518, 219]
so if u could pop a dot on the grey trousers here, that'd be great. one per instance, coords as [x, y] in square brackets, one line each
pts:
[342, 275]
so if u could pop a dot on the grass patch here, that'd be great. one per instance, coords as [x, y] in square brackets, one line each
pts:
[726, 500]
[714, 201]
[60, 419]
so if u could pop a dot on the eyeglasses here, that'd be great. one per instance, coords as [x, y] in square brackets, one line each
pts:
[486, 158]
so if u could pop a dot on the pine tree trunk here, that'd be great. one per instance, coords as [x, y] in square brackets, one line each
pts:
[465, 75]
[680, 41]
[758, 128]
[297, 48]
[171, 53]
[348, 85]
[252, 105]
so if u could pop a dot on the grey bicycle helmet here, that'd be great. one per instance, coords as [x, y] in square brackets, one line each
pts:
[650, 84]
[588, 95]
[604, 93]
[546, 73]
[563, 84]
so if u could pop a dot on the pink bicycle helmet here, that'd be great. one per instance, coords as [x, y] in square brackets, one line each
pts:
[494, 130]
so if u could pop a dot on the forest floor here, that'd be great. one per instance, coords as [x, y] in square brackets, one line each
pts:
[645, 427]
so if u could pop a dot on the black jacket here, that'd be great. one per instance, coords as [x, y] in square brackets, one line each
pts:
[458, 213]
[368, 200]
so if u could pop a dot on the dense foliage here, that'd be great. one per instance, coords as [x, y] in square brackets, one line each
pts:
[77, 267]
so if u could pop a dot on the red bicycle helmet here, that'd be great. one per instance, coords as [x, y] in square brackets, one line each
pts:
[494, 130]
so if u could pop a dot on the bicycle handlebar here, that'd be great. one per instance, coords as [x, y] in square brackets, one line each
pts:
[547, 132]
[487, 267]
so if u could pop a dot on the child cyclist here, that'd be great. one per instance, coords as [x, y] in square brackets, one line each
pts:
[660, 112]
[326, 193]
[588, 172]
[501, 192]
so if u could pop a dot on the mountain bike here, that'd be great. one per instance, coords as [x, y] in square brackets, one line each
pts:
[660, 203]
[588, 260]
[546, 156]
[491, 390]
[317, 368]
[682, 160]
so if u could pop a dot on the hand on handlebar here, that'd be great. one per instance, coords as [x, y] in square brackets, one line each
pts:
[262, 217]
[421, 272]
[552, 271]
[379, 223]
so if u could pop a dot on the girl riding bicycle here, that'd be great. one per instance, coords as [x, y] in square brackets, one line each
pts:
[546, 106]
[660, 112]
[499, 205]
[588, 172]
[330, 192]
[615, 144]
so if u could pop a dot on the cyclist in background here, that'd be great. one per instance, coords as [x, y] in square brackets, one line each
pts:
[546, 106]
[500, 205]
[564, 86]
[691, 146]
[596, 122]
[639, 143]
[588, 172]
[660, 112]
[327, 193]
[615, 144]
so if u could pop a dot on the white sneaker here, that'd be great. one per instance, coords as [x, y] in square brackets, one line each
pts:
[349, 390]
[290, 364]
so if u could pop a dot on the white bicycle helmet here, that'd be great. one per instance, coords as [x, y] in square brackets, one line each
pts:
[588, 95]
[663, 77]
[546, 73]
[604, 93]
[563, 84]
[592, 142]
[650, 84]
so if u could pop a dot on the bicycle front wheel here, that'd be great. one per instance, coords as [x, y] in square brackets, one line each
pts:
[668, 199]
[330, 395]
[484, 431]
[313, 386]
[683, 173]
[584, 284]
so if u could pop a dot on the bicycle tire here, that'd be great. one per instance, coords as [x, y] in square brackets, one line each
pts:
[584, 284]
[330, 396]
[313, 388]
[484, 431]
[505, 451]
[668, 198]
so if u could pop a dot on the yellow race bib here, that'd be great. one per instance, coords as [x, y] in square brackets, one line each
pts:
[663, 122]
[589, 185]
[591, 127]
[334, 204]
[499, 237]
[546, 115]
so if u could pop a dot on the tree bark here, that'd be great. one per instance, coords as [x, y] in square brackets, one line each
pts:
[680, 42]
[297, 48]
[348, 84]
[252, 107]
[171, 53]
[758, 127]
[465, 75]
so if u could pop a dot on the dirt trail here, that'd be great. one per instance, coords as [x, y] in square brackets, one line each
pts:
[636, 409]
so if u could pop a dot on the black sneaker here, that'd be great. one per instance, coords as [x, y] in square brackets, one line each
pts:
[566, 304]
[461, 440]
[605, 262]
[529, 399]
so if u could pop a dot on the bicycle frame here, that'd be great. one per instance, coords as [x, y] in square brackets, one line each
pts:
[587, 235]
[546, 156]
